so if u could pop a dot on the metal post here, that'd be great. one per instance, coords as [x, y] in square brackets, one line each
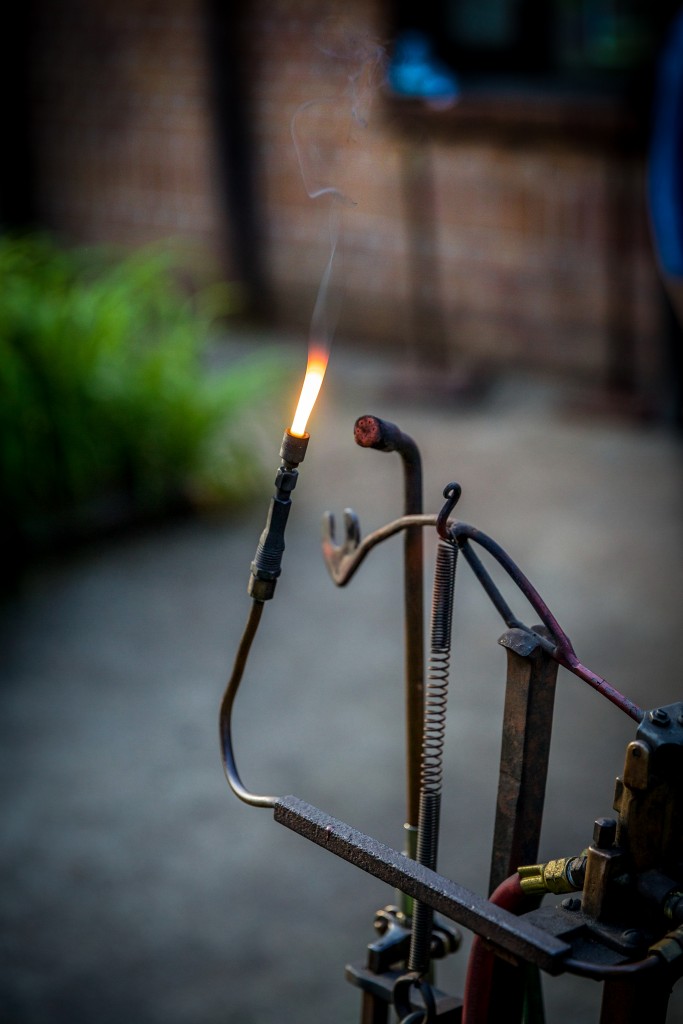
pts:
[525, 749]
[527, 726]
[372, 432]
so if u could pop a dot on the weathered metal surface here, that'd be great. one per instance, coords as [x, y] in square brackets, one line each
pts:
[602, 866]
[372, 432]
[525, 750]
[514, 935]
[344, 559]
[649, 795]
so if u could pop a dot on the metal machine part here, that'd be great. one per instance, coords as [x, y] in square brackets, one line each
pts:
[372, 432]
[267, 563]
[621, 920]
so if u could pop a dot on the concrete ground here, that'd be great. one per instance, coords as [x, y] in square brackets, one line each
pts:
[136, 888]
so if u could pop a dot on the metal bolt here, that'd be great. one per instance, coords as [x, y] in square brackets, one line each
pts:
[659, 717]
[604, 832]
[572, 903]
[632, 937]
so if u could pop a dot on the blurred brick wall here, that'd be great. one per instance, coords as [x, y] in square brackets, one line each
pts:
[121, 123]
[297, 56]
[546, 254]
[511, 245]
[464, 245]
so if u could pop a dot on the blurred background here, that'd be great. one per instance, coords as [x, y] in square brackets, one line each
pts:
[498, 291]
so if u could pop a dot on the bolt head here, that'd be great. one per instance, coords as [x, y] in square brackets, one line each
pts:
[572, 903]
[660, 717]
[604, 833]
[632, 937]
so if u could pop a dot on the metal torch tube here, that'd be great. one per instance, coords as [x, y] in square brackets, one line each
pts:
[372, 432]
[267, 564]
[265, 570]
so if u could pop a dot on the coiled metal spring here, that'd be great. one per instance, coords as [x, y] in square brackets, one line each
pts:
[436, 690]
[436, 696]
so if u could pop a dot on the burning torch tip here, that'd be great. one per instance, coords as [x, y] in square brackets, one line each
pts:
[293, 448]
[367, 431]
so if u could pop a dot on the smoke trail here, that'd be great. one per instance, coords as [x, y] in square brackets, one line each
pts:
[325, 132]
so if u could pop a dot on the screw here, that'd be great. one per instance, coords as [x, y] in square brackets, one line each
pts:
[572, 903]
[604, 833]
[659, 717]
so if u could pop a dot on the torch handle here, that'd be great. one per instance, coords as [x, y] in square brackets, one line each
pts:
[267, 563]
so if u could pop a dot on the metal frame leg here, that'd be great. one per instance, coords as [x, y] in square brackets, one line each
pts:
[525, 751]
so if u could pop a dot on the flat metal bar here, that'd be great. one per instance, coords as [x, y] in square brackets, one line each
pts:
[513, 934]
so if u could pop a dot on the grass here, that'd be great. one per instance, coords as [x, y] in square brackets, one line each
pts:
[105, 389]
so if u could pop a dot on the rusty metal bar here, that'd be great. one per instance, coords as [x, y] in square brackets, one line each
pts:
[515, 935]
[525, 751]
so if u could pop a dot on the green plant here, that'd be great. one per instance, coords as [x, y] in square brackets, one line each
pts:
[105, 388]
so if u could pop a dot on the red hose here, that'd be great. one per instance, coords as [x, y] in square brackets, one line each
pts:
[510, 896]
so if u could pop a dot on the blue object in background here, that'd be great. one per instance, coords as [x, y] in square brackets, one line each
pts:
[665, 176]
[417, 73]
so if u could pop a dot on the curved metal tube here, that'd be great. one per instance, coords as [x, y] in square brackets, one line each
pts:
[480, 965]
[342, 560]
[373, 432]
[225, 719]
[563, 651]
[601, 972]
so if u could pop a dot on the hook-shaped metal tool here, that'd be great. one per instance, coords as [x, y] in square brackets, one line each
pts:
[335, 554]
[343, 559]
[451, 493]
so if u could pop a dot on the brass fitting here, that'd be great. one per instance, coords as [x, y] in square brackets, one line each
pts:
[557, 876]
[669, 948]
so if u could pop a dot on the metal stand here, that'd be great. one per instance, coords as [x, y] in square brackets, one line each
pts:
[626, 926]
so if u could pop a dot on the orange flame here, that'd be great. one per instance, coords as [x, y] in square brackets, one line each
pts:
[315, 371]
